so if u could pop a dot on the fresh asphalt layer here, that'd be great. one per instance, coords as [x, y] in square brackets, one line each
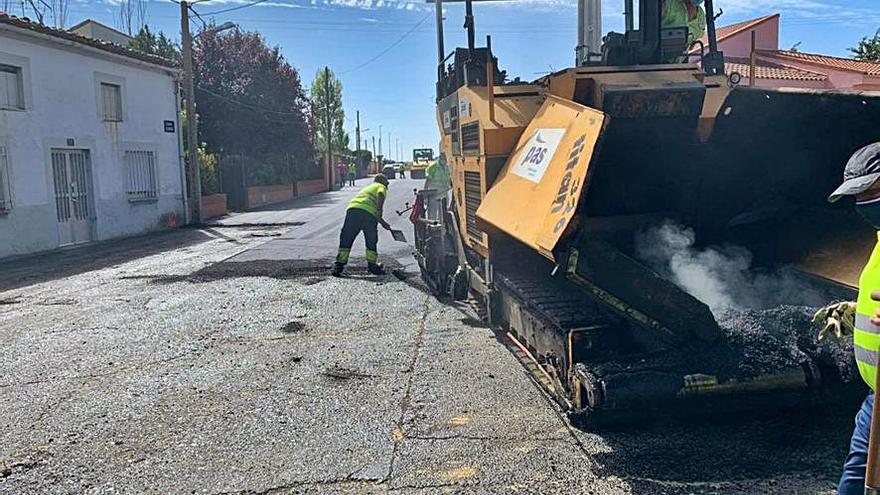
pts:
[225, 360]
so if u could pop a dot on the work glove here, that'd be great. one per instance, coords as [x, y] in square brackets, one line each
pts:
[837, 318]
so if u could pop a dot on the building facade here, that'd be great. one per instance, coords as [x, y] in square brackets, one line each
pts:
[90, 144]
[775, 68]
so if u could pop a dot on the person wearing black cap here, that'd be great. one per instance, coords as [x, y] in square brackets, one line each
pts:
[862, 317]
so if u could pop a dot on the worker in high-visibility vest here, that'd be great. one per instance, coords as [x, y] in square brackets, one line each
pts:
[352, 173]
[860, 318]
[364, 214]
[684, 13]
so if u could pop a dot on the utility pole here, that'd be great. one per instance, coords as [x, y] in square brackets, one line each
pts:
[357, 131]
[376, 157]
[380, 139]
[329, 128]
[193, 174]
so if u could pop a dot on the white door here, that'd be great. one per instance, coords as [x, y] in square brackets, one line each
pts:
[73, 187]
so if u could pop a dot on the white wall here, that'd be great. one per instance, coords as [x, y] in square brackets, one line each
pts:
[61, 91]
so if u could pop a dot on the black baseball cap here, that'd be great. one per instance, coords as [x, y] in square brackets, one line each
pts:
[861, 172]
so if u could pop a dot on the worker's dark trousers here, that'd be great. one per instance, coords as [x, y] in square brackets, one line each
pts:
[351, 179]
[357, 220]
[853, 480]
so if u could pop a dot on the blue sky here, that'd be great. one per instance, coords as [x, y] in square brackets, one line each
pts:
[530, 37]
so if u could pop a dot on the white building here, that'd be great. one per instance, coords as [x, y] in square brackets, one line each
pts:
[95, 30]
[89, 140]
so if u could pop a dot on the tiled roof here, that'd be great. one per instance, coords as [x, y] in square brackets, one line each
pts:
[27, 24]
[725, 32]
[849, 64]
[767, 70]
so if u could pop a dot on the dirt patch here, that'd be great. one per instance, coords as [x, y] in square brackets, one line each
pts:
[313, 280]
[343, 374]
[293, 327]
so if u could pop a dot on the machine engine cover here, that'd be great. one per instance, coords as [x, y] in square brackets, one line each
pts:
[537, 192]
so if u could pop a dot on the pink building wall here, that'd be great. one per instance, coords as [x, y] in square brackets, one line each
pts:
[740, 45]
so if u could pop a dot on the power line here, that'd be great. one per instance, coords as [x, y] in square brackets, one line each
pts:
[246, 105]
[237, 7]
[389, 47]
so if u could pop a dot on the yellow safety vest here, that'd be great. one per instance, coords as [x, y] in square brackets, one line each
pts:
[867, 335]
[367, 199]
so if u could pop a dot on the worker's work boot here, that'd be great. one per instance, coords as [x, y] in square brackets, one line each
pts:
[337, 269]
[376, 268]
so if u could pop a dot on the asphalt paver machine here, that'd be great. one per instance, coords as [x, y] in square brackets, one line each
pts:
[551, 180]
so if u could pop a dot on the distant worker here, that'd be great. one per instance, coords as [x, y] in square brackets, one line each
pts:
[862, 317]
[342, 169]
[364, 214]
[681, 13]
[438, 182]
[352, 173]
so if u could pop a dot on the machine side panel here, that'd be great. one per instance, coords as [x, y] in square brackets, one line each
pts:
[537, 193]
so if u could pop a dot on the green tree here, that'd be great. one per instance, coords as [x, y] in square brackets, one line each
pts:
[326, 104]
[155, 44]
[250, 101]
[868, 49]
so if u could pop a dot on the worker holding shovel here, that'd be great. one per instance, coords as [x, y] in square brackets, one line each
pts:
[861, 471]
[364, 214]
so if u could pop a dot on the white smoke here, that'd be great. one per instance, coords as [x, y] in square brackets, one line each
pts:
[721, 277]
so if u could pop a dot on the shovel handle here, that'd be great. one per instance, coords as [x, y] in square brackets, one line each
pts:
[872, 471]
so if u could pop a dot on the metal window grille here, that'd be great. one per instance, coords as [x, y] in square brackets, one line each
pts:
[111, 102]
[5, 182]
[140, 167]
[11, 90]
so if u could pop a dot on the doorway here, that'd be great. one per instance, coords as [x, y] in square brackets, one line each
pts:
[72, 173]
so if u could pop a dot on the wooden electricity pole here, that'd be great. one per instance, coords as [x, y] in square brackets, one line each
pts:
[192, 135]
[329, 128]
[357, 131]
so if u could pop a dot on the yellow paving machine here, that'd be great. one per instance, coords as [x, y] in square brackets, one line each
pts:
[553, 182]
[422, 157]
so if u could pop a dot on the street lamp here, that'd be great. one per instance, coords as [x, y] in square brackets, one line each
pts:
[192, 136]
[216, 29]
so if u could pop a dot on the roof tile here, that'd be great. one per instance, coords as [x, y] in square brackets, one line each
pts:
[849, 64]
[25, 23]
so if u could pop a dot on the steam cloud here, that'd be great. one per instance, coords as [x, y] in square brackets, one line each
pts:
[721, 277]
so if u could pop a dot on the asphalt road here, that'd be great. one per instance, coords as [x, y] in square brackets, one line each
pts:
[226, 360]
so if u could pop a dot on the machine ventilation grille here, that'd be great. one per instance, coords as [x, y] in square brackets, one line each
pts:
[470, 138]
[473, 196]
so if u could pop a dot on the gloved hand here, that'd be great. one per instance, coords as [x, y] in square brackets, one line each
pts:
[837, 318]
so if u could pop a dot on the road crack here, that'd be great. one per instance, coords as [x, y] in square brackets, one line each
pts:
[407, 395]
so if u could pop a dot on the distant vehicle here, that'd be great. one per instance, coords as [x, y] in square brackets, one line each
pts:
[422, 157]
[389, 171]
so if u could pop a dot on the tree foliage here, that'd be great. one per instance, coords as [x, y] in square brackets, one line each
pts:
[249, 99]
[868, 49]
[328, 105]
[155, 44]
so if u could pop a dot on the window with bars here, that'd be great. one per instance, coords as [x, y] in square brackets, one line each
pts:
[140, 168]
[11, 88]
[5, 182]
[111, 102]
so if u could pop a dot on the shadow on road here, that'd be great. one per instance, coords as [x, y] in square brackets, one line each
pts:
[310, 272]
[30, 270]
